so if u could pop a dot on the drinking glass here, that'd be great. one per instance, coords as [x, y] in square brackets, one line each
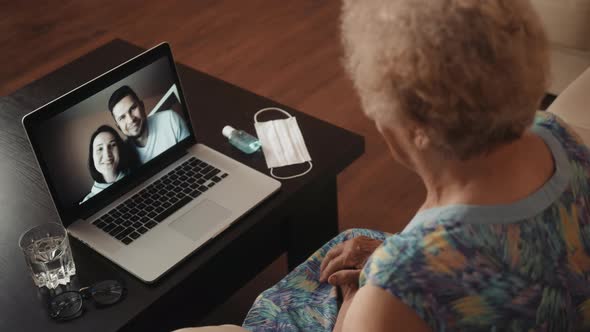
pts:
[48, 255]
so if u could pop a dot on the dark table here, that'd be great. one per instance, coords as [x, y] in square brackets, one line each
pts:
[298, 219]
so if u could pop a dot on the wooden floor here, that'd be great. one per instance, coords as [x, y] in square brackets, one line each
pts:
[287, 50]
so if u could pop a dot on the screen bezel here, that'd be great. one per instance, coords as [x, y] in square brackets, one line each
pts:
[33, 120]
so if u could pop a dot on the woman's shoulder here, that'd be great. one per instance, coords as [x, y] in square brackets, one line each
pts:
[569, 151]
[563, 132]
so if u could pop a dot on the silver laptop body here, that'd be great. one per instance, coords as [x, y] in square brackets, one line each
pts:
[169, 241]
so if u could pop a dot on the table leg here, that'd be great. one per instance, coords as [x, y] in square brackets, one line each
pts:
[313, 221]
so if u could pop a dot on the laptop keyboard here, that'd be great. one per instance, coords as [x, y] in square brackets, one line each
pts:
[153, 204]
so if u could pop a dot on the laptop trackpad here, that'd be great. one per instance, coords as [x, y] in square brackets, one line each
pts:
[200, 219]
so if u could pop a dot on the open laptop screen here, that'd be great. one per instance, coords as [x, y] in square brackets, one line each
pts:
[110, 133]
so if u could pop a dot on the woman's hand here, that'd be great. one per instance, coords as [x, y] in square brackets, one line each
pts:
[343, 263]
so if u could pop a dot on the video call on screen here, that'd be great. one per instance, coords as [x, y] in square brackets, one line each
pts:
[111, 134]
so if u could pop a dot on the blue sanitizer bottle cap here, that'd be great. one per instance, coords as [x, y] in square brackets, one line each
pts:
[227, 131]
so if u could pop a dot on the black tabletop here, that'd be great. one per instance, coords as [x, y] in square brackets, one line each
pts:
[25, 201]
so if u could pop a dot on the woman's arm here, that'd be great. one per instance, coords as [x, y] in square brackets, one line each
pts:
[347, 292]
[374, 309]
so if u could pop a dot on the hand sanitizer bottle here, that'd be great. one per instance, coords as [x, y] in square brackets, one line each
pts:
[241, 139]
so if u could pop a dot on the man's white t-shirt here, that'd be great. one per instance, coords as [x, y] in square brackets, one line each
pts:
[165, 128]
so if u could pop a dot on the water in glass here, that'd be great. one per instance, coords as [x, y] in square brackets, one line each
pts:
[49, 258]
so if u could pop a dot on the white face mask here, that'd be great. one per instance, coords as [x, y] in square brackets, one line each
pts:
[282, 142]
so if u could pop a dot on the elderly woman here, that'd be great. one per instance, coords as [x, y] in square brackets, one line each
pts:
[502, 240]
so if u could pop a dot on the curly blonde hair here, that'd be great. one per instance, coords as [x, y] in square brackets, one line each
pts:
[472, 72]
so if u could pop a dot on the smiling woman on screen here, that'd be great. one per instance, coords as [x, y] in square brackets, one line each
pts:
[108, 159]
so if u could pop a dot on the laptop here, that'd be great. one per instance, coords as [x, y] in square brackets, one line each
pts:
[125, 171]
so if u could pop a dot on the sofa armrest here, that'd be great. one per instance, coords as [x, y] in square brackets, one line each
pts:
[573, 106]
[568, 28]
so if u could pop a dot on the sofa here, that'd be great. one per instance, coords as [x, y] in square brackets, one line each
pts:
[572, 105]
[567, 23]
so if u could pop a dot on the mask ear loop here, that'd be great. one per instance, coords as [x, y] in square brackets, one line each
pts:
[271, 109]
[293, 176]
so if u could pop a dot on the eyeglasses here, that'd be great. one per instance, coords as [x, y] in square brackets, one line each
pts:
[69, 305]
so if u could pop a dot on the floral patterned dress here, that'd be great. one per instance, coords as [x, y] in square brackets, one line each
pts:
[524, 266]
